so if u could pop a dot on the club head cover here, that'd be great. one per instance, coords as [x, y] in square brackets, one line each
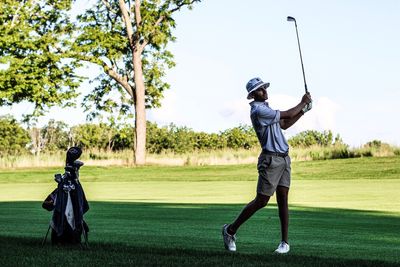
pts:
[73, 154]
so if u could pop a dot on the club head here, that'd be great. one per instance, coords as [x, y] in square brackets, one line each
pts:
[289, 18]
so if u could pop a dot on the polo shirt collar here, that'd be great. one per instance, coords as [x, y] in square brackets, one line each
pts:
[258, 103]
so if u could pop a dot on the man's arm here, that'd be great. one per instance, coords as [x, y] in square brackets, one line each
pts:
[286, 123]
[290, 116]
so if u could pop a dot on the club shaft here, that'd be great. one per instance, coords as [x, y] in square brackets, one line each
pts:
[301, 59]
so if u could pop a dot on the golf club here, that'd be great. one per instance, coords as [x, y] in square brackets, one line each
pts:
[301, 58]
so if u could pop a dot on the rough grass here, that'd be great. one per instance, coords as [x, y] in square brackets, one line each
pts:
[195, 158]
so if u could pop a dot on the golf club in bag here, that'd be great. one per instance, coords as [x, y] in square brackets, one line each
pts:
[68, 203]
[289, 18]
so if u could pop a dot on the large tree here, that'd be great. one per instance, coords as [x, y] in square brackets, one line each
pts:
[128, 39]
[40, 49]
[35, 57]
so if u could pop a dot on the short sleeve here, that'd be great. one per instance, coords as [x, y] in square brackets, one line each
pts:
[268, 114]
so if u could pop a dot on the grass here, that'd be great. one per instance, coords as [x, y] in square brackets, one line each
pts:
[343, 213]
[161, 234]
[124, 158]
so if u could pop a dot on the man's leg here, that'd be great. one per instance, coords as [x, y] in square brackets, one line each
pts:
[282, 199]
[259, 202]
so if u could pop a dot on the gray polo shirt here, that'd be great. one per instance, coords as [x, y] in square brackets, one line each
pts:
[266, 124]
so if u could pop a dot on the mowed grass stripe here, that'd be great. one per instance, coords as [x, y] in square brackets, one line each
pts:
[345, 194]
[342, 169]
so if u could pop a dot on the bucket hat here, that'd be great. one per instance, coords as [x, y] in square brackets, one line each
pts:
[253, 85]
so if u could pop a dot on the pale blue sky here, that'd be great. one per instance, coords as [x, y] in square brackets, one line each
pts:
[351, 53]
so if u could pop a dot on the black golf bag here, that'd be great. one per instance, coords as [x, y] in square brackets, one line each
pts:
[69, 204]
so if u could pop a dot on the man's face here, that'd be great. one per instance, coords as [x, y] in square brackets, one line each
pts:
[260, 94]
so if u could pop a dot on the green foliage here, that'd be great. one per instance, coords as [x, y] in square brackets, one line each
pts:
[374, 144]
[311, 138]
[124, 137]
[240, 137]
[89, 135]
[210, 141]
[103, 40]
[13, 138]
[55, 136]
[117, 136]
[35, 48]
[183, 139]
[40, 48]
[170, 138]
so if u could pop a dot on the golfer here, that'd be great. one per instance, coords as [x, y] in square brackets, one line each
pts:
[273, 163]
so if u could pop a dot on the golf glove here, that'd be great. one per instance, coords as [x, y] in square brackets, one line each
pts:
[307, 107]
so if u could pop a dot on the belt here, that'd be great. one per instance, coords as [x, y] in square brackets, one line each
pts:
[277, 154]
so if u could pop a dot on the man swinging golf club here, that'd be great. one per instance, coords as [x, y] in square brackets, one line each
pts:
[273, 163]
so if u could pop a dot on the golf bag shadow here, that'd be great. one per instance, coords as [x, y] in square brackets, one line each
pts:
[69, 204]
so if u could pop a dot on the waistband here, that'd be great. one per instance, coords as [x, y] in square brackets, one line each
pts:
[277, 154]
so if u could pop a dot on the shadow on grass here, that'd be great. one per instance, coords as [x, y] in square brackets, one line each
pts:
[27, 252]
[149, 234]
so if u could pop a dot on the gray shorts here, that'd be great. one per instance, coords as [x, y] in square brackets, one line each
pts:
[272, 171]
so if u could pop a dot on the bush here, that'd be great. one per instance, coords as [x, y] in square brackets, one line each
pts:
[376, 148]
[311, 138]
[184, 140]
[240, 137]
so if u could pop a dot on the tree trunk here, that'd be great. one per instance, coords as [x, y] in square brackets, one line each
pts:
[140, 111]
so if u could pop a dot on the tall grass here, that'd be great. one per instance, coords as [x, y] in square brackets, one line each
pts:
[196, 158]
[125, 158]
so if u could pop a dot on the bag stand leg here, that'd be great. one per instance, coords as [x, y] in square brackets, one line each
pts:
[45, 238]
[85, 236]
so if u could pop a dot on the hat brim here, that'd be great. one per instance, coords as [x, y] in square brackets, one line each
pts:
[249, 96]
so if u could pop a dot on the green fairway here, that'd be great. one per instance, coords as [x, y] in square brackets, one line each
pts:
[187, 234]
[343, 213]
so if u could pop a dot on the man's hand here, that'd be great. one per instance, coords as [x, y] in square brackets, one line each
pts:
[307, 107]
[306, 99]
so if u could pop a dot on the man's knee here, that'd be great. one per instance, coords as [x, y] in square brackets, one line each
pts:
[282, 193]
[261, 200]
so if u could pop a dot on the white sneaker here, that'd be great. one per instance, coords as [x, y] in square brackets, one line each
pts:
[229, 240]
[283, 248]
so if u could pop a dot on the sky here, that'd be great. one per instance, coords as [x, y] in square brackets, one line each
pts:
[351, 55]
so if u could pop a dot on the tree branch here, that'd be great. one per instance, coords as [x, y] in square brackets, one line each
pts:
[161, 18]
[181, 5]
[122, 80]
[138, 16]
[109, 7]
[128, 23]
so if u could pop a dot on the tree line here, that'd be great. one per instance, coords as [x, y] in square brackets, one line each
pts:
[114, 136]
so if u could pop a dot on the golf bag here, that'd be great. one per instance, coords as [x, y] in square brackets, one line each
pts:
[68, 203]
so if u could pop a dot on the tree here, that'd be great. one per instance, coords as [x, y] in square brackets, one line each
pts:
[55, 136]
[35, 54]
[13, 138]
[87, 136]
[128, 39]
